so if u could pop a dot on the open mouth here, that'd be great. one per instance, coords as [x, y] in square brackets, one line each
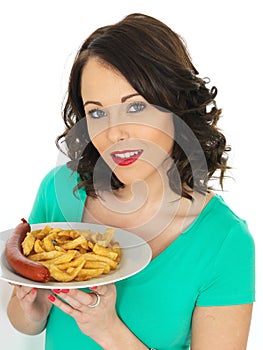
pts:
[126, 157]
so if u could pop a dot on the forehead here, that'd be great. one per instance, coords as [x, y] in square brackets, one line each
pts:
[103, 83]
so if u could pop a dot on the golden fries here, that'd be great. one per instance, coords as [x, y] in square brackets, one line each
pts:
[73, 255]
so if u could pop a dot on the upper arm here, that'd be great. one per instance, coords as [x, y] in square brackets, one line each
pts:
[221, 327]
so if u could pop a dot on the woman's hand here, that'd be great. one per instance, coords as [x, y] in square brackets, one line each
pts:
[101, 323]
[96, 322]
[28, 309]
[33, 302]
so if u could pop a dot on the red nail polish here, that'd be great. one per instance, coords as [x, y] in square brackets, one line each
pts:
[93, 288]
[57, 291]
[33, 291]
[51, 298]
[64, 290]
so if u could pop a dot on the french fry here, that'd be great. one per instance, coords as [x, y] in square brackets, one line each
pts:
[42, 233]
[73, 263]
[86, 274]
[116, 248]
[60, 249]
[100, 250]
[107, 237]
[38, 246]
[62, 276]
[45, 255]
[61, 259]
[69, 233]
[28, 243]
[49, 242]
[94, 257]
[97, 265]
[73, 244]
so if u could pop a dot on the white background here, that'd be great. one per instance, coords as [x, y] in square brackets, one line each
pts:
[38, 43]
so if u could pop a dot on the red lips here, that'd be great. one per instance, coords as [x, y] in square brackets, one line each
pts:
[126, 157]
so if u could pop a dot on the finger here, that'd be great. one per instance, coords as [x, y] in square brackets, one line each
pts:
[57, 291]
[65, 307]
[105, 289]
[25, 292]
[77, 298]
[21, 290]
[12, 284]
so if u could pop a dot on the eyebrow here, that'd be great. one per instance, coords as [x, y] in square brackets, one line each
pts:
[123, 99]
[128, 96]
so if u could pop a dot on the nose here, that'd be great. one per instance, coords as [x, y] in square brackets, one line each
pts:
[118, 129]
[117, 133]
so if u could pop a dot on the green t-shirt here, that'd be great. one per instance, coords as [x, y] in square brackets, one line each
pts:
[210, 264]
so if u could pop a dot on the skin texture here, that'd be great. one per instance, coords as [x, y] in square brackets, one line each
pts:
[224, 327]
[28, 309]
[121, 129]
[214, 328]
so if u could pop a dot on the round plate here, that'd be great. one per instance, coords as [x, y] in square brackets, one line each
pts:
[136, 255]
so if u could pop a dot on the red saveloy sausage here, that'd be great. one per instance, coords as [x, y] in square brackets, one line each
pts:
[20, 263]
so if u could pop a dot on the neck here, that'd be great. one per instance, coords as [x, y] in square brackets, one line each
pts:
[153, 190]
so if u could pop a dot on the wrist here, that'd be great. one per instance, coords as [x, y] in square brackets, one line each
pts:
[120, 337]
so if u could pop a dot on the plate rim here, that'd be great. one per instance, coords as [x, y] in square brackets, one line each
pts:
[101, 280]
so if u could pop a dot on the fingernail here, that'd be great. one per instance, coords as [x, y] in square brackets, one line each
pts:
[51, 298]
[33, 291]
[64, 290]
[57, 291]
[93, 288]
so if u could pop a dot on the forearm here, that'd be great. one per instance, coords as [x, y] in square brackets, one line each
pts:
[21, 320]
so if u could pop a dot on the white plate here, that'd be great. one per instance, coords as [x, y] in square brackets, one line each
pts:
[136, 255]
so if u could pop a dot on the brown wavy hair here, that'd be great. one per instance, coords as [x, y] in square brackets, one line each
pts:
[155, 61]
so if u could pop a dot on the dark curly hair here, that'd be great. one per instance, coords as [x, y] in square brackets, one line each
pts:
[156, 63]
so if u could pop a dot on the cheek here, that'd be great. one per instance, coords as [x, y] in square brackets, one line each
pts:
[96, 135]
[99, 143]
[169, 144]
[166, 138]
[160, 130]
[162, 140]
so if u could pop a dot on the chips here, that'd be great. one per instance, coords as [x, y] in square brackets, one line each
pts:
[73, 255]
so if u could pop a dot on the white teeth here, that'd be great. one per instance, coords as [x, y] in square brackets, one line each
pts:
[126, 154]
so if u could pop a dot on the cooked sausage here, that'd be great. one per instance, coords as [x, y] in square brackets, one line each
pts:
[20, 263]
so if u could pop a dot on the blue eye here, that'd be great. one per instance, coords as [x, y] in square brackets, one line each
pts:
[97, 113]
[136, 107]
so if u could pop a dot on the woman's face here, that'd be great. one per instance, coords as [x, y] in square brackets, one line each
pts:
[133, 137]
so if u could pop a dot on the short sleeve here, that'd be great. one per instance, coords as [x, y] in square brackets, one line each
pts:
[230, 280]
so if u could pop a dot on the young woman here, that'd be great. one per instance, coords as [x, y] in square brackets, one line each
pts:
[142, 138]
